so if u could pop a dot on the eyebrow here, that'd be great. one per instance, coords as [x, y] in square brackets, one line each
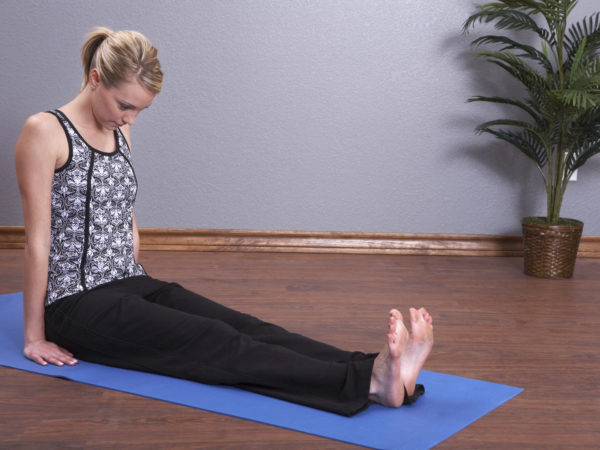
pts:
[129, 105]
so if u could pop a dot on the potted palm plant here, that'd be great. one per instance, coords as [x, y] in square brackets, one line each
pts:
[557, 124]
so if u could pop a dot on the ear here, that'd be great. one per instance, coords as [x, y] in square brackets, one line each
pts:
[95, 78]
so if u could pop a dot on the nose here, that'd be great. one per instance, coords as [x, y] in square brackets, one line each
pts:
[129, 118]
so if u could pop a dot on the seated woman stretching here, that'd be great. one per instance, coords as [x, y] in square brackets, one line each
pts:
[86, 295]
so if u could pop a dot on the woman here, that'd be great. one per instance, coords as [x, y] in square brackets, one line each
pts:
[86, 293]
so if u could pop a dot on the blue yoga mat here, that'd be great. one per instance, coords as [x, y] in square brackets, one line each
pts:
[449, 404]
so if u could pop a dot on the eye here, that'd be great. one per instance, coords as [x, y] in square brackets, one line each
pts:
[124, 107]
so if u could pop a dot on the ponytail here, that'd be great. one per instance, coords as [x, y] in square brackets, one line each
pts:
[119, 56]
[88, 51]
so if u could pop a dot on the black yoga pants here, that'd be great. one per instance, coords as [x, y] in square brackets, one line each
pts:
[150, 325]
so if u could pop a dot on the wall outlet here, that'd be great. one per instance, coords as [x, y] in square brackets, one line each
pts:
[574, 176]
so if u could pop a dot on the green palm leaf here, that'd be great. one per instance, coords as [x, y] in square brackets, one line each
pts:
[588, 29]
[519, 69]
[507, 101]
[579, 157]
[510, 44]
[586, 128]
[507, 19]
[526, 141]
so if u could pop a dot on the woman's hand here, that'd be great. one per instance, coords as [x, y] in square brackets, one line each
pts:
[44, 352]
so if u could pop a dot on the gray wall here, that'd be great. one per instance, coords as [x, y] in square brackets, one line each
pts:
[330, 115]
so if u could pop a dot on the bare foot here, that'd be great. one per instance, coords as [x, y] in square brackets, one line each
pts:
[386, 379]
[417, 349]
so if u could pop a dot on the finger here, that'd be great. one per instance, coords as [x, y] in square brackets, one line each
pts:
[61, 359]
[67, 357]
[38, 359]
[63, 355]
[35, 358]
[55, 358]
[56, 361]
[66, 352]
[71, 361]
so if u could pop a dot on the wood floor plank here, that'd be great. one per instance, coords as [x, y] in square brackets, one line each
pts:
[491, 322]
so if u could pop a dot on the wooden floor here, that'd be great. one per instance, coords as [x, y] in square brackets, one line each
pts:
[491, 322]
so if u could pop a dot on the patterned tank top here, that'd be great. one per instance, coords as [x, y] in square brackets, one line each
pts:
[91, 223]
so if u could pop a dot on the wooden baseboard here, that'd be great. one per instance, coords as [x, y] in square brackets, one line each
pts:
[12, 237]
[176, 239]
[328, 242]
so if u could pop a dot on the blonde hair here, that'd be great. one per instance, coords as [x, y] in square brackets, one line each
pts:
[120, 55]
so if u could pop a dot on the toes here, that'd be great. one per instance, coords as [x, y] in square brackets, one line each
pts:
[426, 316]
[395, 321]
[414, 314]
[421, 314]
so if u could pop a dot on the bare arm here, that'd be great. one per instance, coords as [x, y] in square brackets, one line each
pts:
[36, 155]
[136, 240]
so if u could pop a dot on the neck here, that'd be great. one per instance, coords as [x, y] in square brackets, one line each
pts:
[80, 110]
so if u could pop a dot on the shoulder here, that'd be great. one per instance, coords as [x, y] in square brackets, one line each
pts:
[41, 125]
[41, 121]
[42, 137]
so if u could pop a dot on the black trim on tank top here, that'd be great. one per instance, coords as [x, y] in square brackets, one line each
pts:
[59, 116]
[94, 149]
[128, 159]
[134, 177]
[86, 230]
[124, 140]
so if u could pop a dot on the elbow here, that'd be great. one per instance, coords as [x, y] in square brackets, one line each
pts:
[37, 249]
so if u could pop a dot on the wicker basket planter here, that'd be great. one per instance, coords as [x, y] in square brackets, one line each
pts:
[550, 250]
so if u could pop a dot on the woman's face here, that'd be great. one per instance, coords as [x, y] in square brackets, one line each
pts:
[118, 105]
